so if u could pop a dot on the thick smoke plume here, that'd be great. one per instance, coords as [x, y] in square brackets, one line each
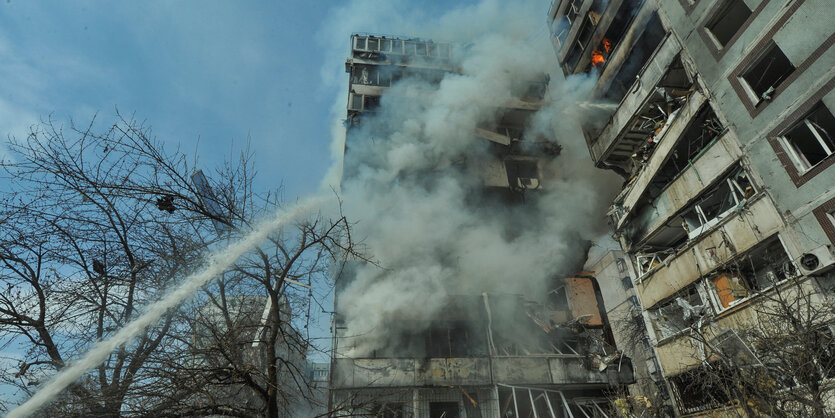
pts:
[407, 179]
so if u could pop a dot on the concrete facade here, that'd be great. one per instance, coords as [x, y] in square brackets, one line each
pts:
[724, 134]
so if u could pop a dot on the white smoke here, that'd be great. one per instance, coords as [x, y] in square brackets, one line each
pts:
[422, 216]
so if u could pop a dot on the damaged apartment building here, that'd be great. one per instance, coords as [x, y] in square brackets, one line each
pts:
[723, 130]
[484, 354]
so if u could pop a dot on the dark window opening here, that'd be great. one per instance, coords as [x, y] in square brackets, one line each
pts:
[623, 18]
[728, 21]
[522, 174]
[371, 102]
[443, 410]
[811, 141]
[644, 47]
[767, 73]
[706, 387]
[454, 340]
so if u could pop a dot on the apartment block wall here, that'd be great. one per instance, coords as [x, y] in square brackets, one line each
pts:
[755, 139]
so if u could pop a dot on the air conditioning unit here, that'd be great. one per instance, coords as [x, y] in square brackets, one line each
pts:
[816, 261]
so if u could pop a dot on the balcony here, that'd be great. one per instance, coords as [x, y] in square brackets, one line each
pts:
[734, 234]
[566, 370]
[614, 141]
[646, 226]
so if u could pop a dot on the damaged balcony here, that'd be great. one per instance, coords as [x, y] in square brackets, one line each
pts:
[738, 231]
[497, 339]
[663, 87]
[678, 171]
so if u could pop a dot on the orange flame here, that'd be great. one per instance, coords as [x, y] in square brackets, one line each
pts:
[597, 55]
[597, 58]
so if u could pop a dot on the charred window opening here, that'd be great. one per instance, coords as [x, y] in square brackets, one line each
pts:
[705, 387]
[702, 132]
[522, 174]
[765, 265]
[443, 410]
[583, 37]
[623, 18]
[811, 140]
[371, 102]
[764, 76]
[643, 48]
[678, 314]
[727, 21]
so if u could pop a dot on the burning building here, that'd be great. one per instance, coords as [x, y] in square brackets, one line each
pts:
[469, 308]
[722, 129]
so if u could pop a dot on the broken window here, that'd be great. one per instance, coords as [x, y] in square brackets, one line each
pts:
[572, 10]
[706, 387]
[454, 340]
[811, 141]
[583, 37]
[764, 75]
[704, 129]
[443, 410]
[373, 44]
[765, 265]
[678, 314]
[716, 204]
[727, 21]
[643, 48]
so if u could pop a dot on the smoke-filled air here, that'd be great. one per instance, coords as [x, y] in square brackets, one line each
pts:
[407, 175]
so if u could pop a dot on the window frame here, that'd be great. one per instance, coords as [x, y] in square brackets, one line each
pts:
[800, 161]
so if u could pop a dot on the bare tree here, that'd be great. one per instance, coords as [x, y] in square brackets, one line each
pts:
[779, 365]
[99, 221]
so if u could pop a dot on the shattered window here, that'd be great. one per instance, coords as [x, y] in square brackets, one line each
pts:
[765, 265]
[763, 77]
[443, 410]
[678, 314]
[718, 203]
[728, 21]
[811, 140]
